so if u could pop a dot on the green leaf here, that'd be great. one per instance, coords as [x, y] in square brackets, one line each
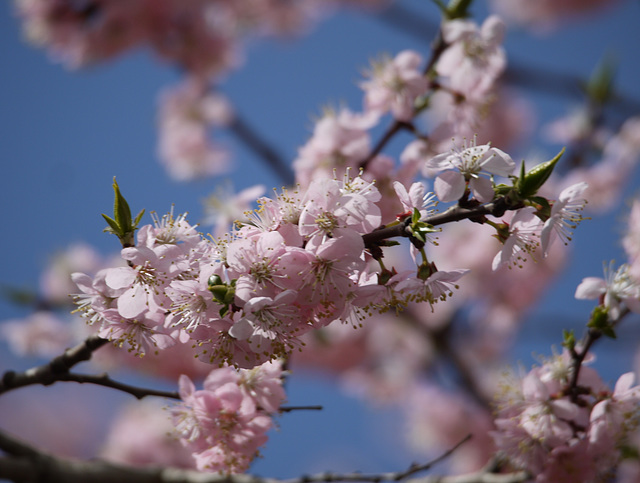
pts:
[136, 222]
[121, 224]
[121, 210]
[113, 226]
[569, 339]
[528, 184]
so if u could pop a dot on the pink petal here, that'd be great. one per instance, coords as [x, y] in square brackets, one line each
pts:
[591, 288]
[449, 186]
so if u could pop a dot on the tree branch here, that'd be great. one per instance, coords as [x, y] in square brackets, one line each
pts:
[26, 464]
[54, 370]
[58, 369]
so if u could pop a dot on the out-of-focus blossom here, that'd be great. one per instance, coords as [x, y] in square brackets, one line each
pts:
[565, 215]
[394, 85]
[224, 207]
[616, 290]
[141, 436]
[340, 141]
[631, 240]
[225, 423]
[559, 437]
[187, 115]
[544, 15]
[41, 334]
[474, 57]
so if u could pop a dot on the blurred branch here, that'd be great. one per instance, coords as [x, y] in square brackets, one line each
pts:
[250, 137]
[24, 463]
[288, 409]
[54, 370]
[58, 369]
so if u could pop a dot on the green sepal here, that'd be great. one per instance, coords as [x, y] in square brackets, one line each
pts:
[425, 270]
[569, 339]
[600, 321]
[415, 216]
[502, 189]
[543, 207]
[529, 183]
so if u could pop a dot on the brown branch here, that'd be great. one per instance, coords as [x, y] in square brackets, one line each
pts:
[54, 370]
[497, 208]
[23, 463]
[288, 409]
[578, 356]
[58, 370]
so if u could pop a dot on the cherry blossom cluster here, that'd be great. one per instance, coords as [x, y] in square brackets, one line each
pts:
[202, 37]
[563, 427]
[224, 423]
[305, 259]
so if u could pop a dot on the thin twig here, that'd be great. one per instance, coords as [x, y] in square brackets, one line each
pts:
[288, 409]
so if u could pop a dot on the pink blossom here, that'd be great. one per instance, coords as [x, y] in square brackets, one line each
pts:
[270, 325]
[543, 15]
[615, 291]
[191, 304]
[523, 232]
[225, 423]
[565, 215]
[330, 205]
[41, 334]
[141, 336]
[560, 438]
[339, 141]
[186, 115]
[415, 198]
[395, 84]
[95, 297]
[224, 207]
[256, 263]
[631, 240]
[140, 435]
[474, 58]
[462, 166]
[327, 277]
[55, 281]
[437, 286]
[78, 36]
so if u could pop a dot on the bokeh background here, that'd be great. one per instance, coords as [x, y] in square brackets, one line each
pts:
[65, 134]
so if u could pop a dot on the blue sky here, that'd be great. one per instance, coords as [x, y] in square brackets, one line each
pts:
[64, 136]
